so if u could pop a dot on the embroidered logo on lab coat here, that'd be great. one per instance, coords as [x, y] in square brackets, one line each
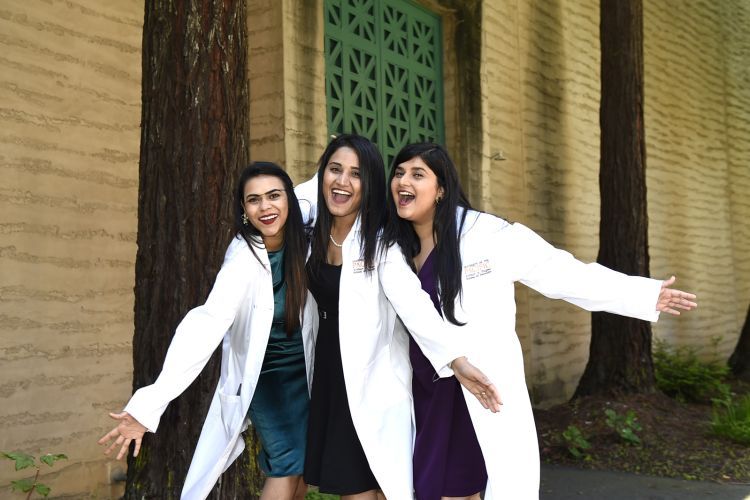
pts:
[358, 266]
[477, 269]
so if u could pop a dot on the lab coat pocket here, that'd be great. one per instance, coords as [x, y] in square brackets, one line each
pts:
[231, 413]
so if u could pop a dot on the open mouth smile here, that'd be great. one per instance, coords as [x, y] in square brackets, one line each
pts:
[269, 219]
[340, 196]
[404, 198]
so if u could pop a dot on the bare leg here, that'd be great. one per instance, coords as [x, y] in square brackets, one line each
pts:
[365, 495]
[280, 488]
[301, 490]
[475, 496]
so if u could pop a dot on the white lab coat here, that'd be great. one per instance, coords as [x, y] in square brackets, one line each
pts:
[238, 310]
[375, 356]
[494, 255]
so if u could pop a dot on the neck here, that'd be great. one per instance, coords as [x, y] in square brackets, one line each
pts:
[340, 226]
[273, 243]
[426, 236]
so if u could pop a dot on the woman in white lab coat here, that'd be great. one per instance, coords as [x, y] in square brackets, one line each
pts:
[468, 261]
[255, 307]
[360, 432]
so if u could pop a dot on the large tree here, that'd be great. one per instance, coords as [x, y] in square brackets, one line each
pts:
[739, 361]
[620, 354]
[193, 145]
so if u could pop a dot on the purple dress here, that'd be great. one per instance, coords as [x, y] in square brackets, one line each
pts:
[447, 458]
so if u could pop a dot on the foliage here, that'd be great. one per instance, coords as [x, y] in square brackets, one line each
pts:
[315, 495]
[24, 461]
[576, 442]
[625, 425]
[731, 419]
[681, 375]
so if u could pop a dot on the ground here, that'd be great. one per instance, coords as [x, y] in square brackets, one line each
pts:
[676, 439]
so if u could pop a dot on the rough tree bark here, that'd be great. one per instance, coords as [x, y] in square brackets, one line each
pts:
[193, 145]
[620, 353]
[739, 361]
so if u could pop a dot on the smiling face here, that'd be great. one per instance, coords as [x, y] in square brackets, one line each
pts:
[342, 187]
[266, 205]
[415, 188]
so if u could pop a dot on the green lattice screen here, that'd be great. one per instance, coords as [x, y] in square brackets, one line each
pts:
[384, 76]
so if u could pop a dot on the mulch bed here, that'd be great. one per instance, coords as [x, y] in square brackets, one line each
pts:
[676, 439]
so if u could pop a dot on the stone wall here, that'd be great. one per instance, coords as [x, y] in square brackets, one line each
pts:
[69, 134]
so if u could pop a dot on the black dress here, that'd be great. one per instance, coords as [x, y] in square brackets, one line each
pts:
[334, 458]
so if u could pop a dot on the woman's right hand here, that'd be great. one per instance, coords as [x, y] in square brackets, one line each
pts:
[128, 429]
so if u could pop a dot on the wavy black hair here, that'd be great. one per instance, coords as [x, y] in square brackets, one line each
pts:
[445, 228]
[295, 241]
[372, 208]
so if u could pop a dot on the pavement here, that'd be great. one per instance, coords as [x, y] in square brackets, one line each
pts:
[564, 483]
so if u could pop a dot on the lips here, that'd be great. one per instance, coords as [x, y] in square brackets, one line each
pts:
[268, 219]
[340, 196]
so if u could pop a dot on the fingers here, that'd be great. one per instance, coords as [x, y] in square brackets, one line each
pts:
[119, 416]
[114, 445]
[137, 447]
[668, 283]
[124, 449]
[110, 435]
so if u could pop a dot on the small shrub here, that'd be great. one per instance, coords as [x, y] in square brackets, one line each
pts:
[681, 375]
[24, 461]
[576, 443]
[625, 425]
[731, 419]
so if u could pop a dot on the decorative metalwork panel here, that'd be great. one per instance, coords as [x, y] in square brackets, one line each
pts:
[384, 75]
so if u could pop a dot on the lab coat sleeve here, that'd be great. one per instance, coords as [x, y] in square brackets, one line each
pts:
[195, 339]
[557, 274]
[307, 195]
[415, 308]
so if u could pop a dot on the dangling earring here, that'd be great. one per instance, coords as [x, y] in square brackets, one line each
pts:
[438, 199]
[244, 219]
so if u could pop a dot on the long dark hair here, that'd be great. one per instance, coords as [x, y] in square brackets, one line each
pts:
[372, 208]
[295, 242]
[445, 229]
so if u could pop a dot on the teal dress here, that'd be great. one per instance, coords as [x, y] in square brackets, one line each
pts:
[279, 408]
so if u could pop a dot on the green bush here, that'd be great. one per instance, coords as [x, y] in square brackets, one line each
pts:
[681, 375]
[576, 443]
[731, 419]
[315, 495]
[625, 425]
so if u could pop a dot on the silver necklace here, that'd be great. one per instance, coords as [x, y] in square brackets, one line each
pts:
[339, 245]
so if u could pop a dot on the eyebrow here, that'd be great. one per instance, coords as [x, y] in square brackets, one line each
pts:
[249, 195]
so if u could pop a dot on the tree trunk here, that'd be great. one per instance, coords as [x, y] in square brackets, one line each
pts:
[620, 354]
[739, 361]
[194, 130]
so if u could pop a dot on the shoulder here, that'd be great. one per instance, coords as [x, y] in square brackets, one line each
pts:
[239, 256]
[481, 224]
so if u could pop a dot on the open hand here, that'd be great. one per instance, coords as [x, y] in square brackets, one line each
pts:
[670, 299]
[129, 429]
[477, 383]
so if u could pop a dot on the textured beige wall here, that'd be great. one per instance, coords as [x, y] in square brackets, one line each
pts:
[541, 92]
[287, 84]
[69, 132]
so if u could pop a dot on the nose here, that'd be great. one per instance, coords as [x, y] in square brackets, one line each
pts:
[264, 203]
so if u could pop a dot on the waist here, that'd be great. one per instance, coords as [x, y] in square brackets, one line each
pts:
[327, 314]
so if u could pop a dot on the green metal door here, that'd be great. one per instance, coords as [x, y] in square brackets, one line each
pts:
[384, 75]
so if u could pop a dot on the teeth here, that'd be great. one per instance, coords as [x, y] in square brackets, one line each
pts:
[406, 193]
[268, 217]
[339, 191]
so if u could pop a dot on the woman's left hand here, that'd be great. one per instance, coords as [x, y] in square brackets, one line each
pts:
[477, 383]
[670, 299]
